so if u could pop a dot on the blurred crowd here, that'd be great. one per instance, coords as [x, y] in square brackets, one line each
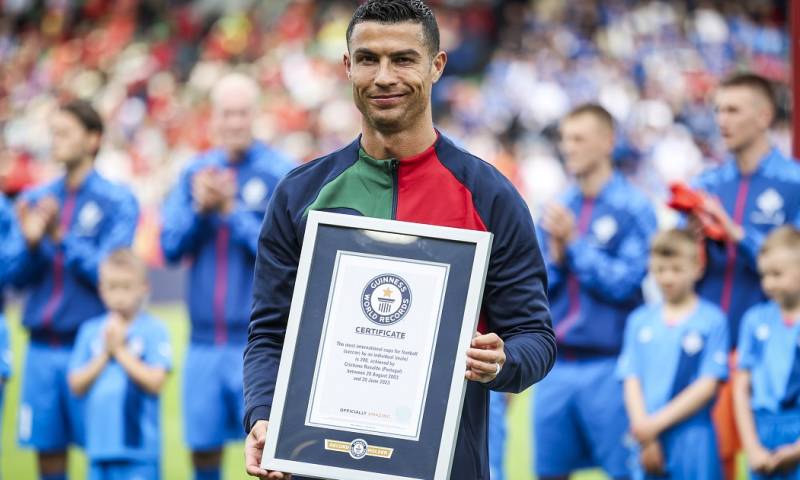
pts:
[515, 67]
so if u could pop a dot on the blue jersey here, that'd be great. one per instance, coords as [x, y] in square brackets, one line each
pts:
[122, 421]
[768, 349]
[759, 202]
[599, 283]
[12, 245]
[61, 278]
[222, 248]
[668, 358]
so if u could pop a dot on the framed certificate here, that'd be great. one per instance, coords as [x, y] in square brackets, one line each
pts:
[371, 379]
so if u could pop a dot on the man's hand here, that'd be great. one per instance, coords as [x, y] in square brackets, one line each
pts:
[224, 189]
[485, 357]
[36, 220]
[714, 207]
[559, 222]
[652, 458]
[254, 450]
[202, 191]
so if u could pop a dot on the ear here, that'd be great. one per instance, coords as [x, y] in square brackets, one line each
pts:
[438, 64]
[346, 63]
[94, 143]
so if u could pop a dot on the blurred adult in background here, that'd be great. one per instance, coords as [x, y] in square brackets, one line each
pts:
[754, 191]
[596, 242]
[69, 226]
[212, 219]
[12, 245]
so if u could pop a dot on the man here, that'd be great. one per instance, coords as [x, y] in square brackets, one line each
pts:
[596, 243]
[401, 168]
[212, 218]
[69, 226]
[754, 191]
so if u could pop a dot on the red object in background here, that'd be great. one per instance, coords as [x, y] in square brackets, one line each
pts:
[693, 202]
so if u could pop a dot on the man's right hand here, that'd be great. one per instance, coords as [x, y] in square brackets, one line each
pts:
[34, 221]
[254, 450]
[652, 458]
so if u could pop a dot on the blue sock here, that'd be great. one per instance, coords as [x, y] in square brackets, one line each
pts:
[53, 476]
[213, 473]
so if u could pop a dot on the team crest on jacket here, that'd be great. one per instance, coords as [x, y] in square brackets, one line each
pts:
[254, 192]
[770, 208]
[89, 217]
[386, 299]
[604, 228]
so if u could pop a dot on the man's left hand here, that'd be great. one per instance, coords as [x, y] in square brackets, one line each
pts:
[485, 357]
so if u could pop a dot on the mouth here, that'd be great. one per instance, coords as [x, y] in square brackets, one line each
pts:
[387, 100]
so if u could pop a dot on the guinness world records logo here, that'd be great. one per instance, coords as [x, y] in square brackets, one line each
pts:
[386, 299]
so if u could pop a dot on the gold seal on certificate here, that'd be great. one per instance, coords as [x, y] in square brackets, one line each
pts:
[375, 361]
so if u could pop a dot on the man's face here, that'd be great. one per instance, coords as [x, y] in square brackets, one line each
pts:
[780, 275]
[392, 73]
[585, 143]
[232, 120]
[122, 290]
[742, 115]
[71, 142]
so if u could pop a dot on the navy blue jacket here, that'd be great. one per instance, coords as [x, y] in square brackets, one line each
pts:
[443, 186]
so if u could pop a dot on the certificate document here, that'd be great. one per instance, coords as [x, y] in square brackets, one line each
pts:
[380, 328]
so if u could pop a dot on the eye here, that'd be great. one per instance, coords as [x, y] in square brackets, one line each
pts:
[404, 60]
[367, 59]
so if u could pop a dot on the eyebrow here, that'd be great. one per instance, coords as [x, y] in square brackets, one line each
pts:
[401, 53]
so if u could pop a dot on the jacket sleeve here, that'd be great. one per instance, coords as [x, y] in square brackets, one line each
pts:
[617, 277]
[181, 225]
[515, 296]
[12, 243]
[555, 273]
[245, 228]
[83, 256]
[32, 262]
[275, 270]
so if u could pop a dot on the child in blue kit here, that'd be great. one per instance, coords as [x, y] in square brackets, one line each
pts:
[673, 358]
[767, 383]
[119, 365]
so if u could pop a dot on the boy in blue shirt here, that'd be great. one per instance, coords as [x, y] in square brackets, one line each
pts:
[119, 365]
[674, 356]
[767, 384]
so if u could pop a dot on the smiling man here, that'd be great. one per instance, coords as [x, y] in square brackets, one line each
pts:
[401, 168]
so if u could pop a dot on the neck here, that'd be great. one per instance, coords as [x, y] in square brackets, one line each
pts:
[791, 309]
[78, 172]
[236, 156]
[594, 180]
[676, 309]
[749, 157]
[402, 144]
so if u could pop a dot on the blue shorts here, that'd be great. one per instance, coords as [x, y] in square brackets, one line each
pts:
[690, 452]
[213, 396]
[775, 430]
[49, 417]
[123, 470]
[497, 434]
[580, 420]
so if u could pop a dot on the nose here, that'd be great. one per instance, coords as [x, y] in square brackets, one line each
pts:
[385, 77]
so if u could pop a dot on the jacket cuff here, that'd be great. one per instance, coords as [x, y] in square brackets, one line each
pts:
[259, 412]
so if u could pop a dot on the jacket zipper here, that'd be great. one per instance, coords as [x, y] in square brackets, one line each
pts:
[394, 166]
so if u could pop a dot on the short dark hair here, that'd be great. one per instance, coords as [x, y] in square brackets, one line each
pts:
[86, 115]
[755, 82]
[595, 110]
[397, 11]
